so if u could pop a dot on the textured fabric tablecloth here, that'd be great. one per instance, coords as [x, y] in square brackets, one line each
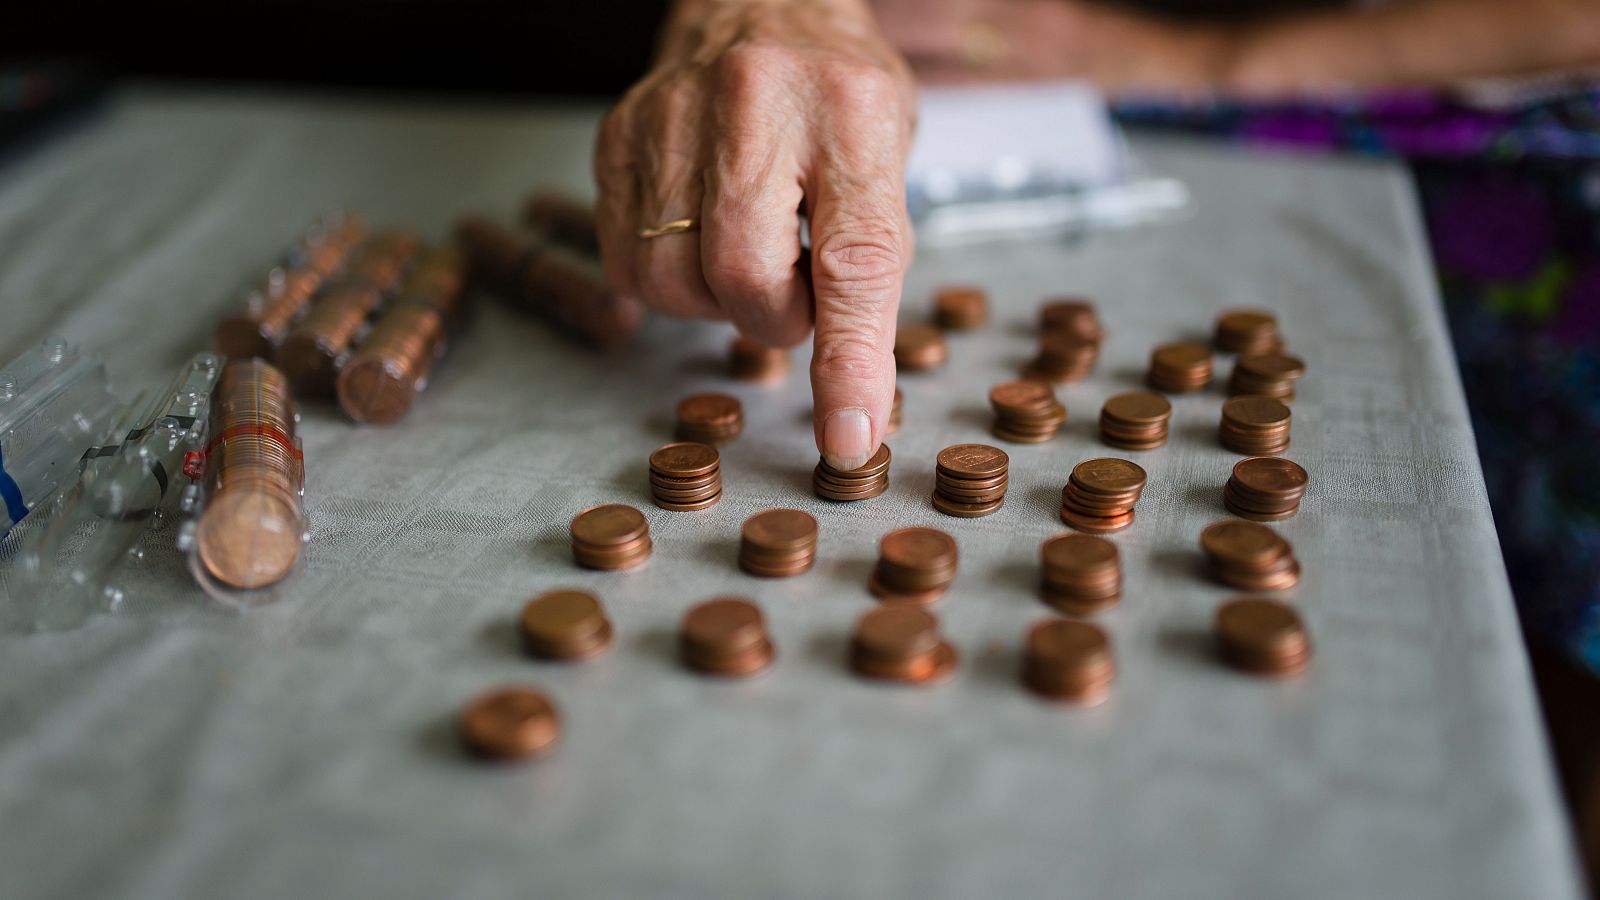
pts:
[306, 750]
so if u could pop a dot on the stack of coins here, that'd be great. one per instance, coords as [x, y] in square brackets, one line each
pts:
[1263, 636]
[1071, 315]
[565, 625]
[1026, 412]
[1180, 367]
[314, 350]
[510, 723]
[778, 543]
[271, 309]
[562, 219]
[685, 476]
[901, 643]
[864, 483]
[961, 308]
[896, 416]
[915, 565]
[1255, 426]
[750, 361]
[1249, 556]
[726, 637]
[1100, 495]
[1068, 661]
[1265, 488]
[713, 419]
[1064, 356]
[918, 348]
[1267, 375]
[1247, 332]
[970, 480]
[612, 536]
[251, 528]
[1082, 574]
[1136, 420]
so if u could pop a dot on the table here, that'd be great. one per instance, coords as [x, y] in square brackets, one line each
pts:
[175, 750]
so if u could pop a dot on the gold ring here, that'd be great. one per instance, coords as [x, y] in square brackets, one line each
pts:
[676, 226]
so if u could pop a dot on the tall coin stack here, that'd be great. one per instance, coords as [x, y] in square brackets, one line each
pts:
[612, 536]
[1180, 367]
[1026, 412]
[713, 419]
[750, 361]
[960, 308]
[778, 543]
[1247, 332]
[970, 480]
[1249, 556]
[1255, 426]
[1100, 495]
[685, 476]
[1136, 420]
[1064, 356]
[1082, 574]
[1267, 375]
[1265, 488]
[864, 483]
[252, 525]
[1072, 315]
[1263, 636]
[1068, 661]
[915, 565]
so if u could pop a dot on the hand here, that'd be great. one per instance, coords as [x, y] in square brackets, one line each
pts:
[756, 113]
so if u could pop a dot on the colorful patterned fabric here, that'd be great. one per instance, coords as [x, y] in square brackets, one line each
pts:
[1512, 202]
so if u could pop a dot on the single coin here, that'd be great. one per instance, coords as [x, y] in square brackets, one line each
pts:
[1078, 553]
[685, 459]
[973, 460]
[1244, 544]
[1138, 408]
[780, 529]
[249, 539]
[709, 409]
[918, 548]
[1022, 395]
[1271, 475]
[510, 723]
[566, 624]
[1109, 475]
[609, 525]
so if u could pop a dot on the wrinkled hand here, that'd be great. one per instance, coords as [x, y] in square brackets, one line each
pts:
[756, 113]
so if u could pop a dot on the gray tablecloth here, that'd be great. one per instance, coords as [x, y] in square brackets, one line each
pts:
[306, 750]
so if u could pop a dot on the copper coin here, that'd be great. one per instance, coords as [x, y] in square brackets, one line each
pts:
[919, 346]
[897, 632]
[565, 624]
[510, 723]
[1271, 476]
[1243, 544]
[877, 465]
[918, 548]
[1022, 395]
[685, 459]
[1109, 475]
[249, 539]
[1272, 366]
[710, 409]
[1077, 316]
[1181, 355]
[1263, 635]
[1138, 407]
[609, 525]
[780, 529]
[1096, 524]
[1067, 660]
[726, 623]
[1078, 553]
[1256, 412]
[973, 460]
[961, 307]
[965, 510]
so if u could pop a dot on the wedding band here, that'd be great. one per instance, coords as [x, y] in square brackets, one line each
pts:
[676, 226]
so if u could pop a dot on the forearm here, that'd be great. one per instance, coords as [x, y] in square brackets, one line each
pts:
[1423, 42]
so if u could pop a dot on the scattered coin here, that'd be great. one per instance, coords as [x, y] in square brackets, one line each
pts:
[510, 723]
[1072, 315]
[1026, 412]
[566, 625]
[685, 476]
[901, 643]
[750, 361]
[1247, 332]
[1265, 488]
[777, 543]
[1068, 661]
[1064, 356]
[919, 348]
[713, 419]
[1136, 420]
[961, 308]
[1180, 367]
[1255, 426]
[1100, 495]
[864, 483]
[726, 637]
[612, 536]
[1082, 574]
[970, 480]
[1249, 556]
[1263, 636]
[915, 566]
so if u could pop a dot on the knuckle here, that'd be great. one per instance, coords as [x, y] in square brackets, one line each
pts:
[869, 259]
[852, 354]
[754, 64]
[862, 88]
[742, 275]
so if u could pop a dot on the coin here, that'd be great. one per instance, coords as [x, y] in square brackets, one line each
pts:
[901, 643]
[709, 418]
[1263, 636]
[919, 347]
[1068, 661]
[1072, 315]
[1247, 331]
[750, 361]
[610, 524]
[510, 723]
[726, 636]
[1180, 366]
[565, 624]
[961, 308]
[1109, 475]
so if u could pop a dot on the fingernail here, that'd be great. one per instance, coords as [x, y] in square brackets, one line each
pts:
[847, 438]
